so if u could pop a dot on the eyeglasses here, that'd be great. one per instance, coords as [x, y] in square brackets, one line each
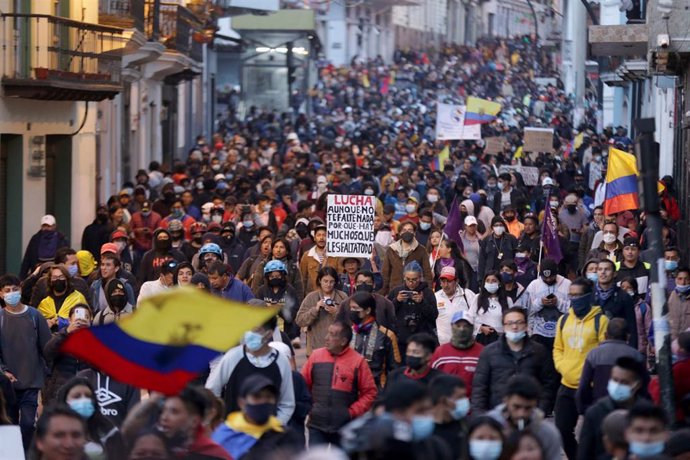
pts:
[515, 323]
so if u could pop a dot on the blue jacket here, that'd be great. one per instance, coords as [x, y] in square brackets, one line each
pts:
[237, 290]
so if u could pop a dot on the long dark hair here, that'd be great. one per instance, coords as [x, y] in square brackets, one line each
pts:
[288, 251]
[96, 425]
[483, 298]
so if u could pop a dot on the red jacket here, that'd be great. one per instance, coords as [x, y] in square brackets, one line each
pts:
[342, 388]
[681, 384]
[461, 363]
[143, 240]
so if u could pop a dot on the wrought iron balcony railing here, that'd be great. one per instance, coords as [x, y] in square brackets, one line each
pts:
[182, 30]
[49, 57]
[143, 15]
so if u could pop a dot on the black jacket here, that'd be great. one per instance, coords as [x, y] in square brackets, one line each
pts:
[95, 235]
[32, 255]
[621, 305]
[382, 355]
[385, 312]
[234, 250]
[491, 248]
[62, 366]
[497, 363]
[414, 317]
[517, 200]
[149, 269]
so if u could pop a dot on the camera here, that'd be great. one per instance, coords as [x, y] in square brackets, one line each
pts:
[329, 302]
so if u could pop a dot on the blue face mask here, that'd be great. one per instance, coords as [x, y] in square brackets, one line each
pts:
[248, 223]
[646, 449]
[593, 277]
[670, 265]
[83, 407]
[619, 392]
[12, 298]
[484, 449]
[253, 340]
[422, 427]
[462, 407]
[425, 225]
[581, 304]
[515, 337]
[73, 270]
[683, 289]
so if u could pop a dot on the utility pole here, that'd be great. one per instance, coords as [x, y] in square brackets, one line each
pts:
[647, 153]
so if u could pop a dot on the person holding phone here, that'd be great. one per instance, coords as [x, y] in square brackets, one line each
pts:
[64, 367]
[492, 303]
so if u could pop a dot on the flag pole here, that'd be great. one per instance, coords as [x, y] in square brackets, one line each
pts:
[433, 264]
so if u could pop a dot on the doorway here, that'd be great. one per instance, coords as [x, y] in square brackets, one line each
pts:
[59, 181]
[11, 155]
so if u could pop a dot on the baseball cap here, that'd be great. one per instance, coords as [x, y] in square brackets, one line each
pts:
[470, 220]
[124, 192]
[255, 383]
[462, 315]
[546, 181]
[48, 219]
[631, 241]
[448, 273]
[169, 267]
[571, 199]
[109, 247]
[117, 234]
[146, 206]
[548, 268]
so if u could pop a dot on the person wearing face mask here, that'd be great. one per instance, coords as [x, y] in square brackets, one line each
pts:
[600, 361]
[61, 297]
[365, 281]
[450, 299]
[378, 344]
[425, 227]
[118, 306]
[519, 412]
[513, 224]
[647, 431]
[254, 356]
[495, 248]
[607, 244]
[24, 333]
[404, 428]
[507, 195]
[513, 353]
[63, 366]
[143, 224]
[103, 439]
[485, 439]
[277, 292]
[451, 406]
[401, 253]
[671, 263]
[491, 188]
[411, 207]
[578, 332]
[573, 216]
[191, 247]
[643, 314]
[254, 431]
[526, 268]
[615, 302]
[164, 204]
[181, 221]
[39, 290]
[491, 303]
[420, 347]
[531, 236]
[587, 235]
[97, 233]
[43, 245]
[679, 303]
[434, 202]
[624, 389]
[153, 260]
[460, 356]
[508, 271]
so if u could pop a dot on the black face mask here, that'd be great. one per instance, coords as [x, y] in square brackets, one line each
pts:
[510, 218]
[118, 302]
[260, 413]
[364, 288]
[197, 239]
[355, 318]
[169, 196]
[571, 209]
[59, 285]
[229, 238]
[163, 244]
[276, 282]
[176, 236]
[407, 237]
[415, 362]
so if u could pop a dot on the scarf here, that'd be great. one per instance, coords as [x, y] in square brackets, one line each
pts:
[364, 326]
[602, 295]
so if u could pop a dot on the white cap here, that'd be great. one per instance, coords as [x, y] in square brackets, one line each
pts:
[547, 181]
[218, 177]
[470, 220]
[48, 219]
[292, 137]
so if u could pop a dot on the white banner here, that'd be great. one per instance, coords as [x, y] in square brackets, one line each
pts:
[530, 174]
[450, 124]
[350, 225]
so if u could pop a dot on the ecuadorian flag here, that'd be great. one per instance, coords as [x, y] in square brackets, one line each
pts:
[479, 111]
[168, 341]
[621, 183]
[439, 162]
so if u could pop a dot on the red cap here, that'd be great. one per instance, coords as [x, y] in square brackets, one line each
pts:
[117, 234]
[109, 247]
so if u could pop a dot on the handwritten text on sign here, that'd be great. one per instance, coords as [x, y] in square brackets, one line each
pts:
[350, 223]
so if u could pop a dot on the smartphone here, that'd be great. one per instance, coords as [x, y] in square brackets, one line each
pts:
[80, 313]
[408, 293]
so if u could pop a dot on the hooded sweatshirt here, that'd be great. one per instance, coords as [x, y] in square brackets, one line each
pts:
[546, 432]
[485, 213]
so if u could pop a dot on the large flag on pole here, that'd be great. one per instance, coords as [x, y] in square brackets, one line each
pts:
[621, 183]
[454, 224]
[168, 341]
[549, 236]
[480, 111]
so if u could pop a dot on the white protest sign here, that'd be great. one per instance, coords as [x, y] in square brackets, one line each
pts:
[450, 121]
[11, 442]
[350, 225]
[530, 174]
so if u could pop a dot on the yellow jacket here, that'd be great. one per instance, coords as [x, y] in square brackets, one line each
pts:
[574, 339]
[47, 305]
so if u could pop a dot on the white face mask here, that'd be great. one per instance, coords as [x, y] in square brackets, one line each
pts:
[499, 230]
[433, 198]
[609, 238]
[410, 208]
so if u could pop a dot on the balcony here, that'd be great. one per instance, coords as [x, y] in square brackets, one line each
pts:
[182, 31]
[618, 40]
[141, 15]
[53, 58]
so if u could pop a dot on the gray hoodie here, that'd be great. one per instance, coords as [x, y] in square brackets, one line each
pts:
[546, 432]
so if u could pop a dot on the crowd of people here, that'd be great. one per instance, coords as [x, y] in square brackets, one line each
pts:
[475, 345]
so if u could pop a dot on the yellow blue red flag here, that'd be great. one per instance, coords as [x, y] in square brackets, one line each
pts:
[621, 183]
[169, 339]
[479, 111]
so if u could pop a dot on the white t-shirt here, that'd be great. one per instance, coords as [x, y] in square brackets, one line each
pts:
[492, 317]
[462, 300]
